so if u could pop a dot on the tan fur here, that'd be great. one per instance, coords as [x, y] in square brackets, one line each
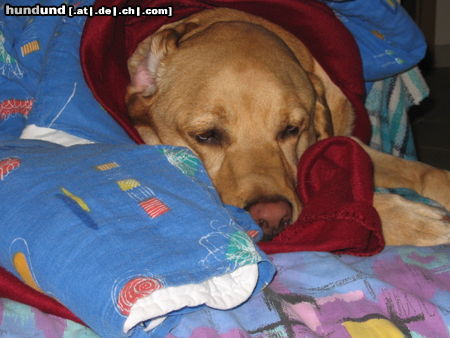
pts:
[248, 82]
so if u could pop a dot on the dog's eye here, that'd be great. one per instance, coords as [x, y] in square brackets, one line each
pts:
[289, 131]
[212, 136]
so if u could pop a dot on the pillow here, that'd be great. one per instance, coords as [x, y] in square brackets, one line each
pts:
[124, 234]
[388, 39]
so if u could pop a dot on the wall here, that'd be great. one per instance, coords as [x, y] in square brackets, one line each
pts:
[442, 22]
[442, 34]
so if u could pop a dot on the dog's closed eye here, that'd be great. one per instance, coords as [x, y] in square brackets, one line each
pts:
[288, 131]
[211, 137]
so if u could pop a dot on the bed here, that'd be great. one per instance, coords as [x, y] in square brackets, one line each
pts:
[93, 225]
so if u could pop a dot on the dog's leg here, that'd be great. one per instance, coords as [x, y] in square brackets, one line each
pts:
[394, 172]
[405, 222]
[411, 223]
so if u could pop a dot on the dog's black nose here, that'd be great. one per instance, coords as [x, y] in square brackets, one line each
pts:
[272, 215]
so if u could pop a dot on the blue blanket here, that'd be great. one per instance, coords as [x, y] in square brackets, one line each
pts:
[41, 79]
[119, 233]
[123, 233]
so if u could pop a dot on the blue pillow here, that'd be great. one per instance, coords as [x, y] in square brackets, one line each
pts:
[388, 39]
[104, 228]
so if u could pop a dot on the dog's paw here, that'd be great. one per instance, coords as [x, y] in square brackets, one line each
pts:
[405, 222]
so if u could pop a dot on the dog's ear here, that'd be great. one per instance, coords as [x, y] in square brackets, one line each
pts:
[146, 61]
[323, 123]
[144, 67]
[332, 105]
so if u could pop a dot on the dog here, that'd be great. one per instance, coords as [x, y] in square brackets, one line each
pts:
[249, 98]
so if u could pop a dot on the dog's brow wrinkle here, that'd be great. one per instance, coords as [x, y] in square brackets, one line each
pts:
[209, 118]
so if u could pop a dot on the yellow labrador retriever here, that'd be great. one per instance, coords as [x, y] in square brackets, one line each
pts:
[248, 98]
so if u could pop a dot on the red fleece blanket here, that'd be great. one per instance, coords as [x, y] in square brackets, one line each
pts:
[335, 175]
[335, 184]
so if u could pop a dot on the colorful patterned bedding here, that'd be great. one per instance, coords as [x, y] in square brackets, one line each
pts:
[400, 292]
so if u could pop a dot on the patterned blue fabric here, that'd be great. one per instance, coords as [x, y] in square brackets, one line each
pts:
[89, 224]
[388, 39]
[42, 81]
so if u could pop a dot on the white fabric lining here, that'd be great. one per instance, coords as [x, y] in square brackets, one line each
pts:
[33, 132]
[220, 292]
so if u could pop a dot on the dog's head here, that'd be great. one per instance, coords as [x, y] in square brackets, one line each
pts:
[244, 95]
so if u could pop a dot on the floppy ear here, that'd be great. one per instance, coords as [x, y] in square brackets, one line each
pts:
[145, 63]
[145, 67]
[333, 105]
[323, 123]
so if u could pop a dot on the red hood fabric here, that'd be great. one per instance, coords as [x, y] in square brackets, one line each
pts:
[335, 175]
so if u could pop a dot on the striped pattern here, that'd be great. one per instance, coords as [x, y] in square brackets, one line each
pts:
[107, 166]
[30, 47]
[387, 103]
[142, 194]
[154, 207]
[128, 184]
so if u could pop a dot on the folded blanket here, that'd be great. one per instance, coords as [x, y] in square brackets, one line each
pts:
[107, 231]
[335, 185]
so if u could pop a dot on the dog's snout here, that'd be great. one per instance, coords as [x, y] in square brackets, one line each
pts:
[272, 215]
